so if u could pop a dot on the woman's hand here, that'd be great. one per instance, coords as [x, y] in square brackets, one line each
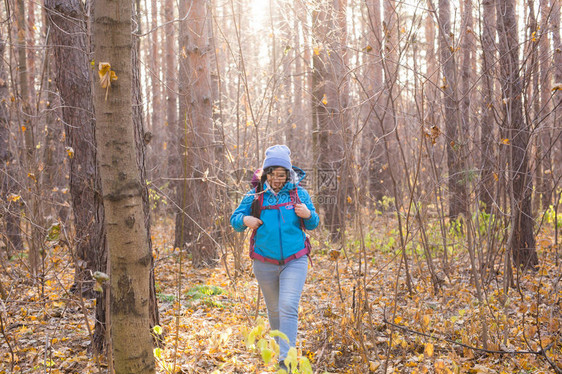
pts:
[302, 211]
[252, 222]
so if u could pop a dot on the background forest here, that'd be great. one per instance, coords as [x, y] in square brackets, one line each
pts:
[430, 132]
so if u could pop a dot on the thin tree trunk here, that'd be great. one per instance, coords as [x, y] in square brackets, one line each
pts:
[170, 91]
[523, 240]
[11, 212]
[129, 252]
[557, 100]
[487, 144]
[196, 221]
[545, 185]
[454, 143]
[27, 126]
[142, 138]
[329, 106]
[378, 173]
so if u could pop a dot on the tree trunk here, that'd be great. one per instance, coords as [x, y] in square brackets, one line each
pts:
[170, 91]
[129, 253]
[487, 144]
[195, 224]
[378, 173]
[468, 49]
[454, 144]
[142, 138]
[11, 212]
[73, 79]
[25, 116]
[544, 182]
[330, 101]
[557, 102]
[523, 240]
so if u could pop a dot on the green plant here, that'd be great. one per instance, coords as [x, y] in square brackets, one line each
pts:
[155, 198]
[263, 342]
[203, 294]
[551, 216]
[165, 298]
[386, 203]
[158, 352]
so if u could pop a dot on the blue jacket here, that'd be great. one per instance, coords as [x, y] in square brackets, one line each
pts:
[281, 234]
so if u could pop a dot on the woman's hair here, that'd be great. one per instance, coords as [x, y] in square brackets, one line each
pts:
[256, 207]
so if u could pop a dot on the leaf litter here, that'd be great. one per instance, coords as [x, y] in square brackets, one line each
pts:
[354, 317]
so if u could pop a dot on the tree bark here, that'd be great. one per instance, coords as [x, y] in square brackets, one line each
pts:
[195, 224]
[557, 102]
[544, 180]
[73, 80]
[129, 253]
[27, 126]
[378, 174]
[142, 138]
[521, 182]
[487, 145]
[454, 143]
[10, 212]
[330, 101]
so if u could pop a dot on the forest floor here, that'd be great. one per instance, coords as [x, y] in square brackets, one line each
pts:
[348, 314]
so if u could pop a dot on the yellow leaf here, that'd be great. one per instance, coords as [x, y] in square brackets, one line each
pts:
[428, 350]
[496, 177]
[23, 128]
[325, 100]
[158, 352]
[70, 152]
[317, 51]
[13, 197]
[397, 320]
[106, 76]
[505, 141]
[426, 320]
[349, 200]
[32, 176]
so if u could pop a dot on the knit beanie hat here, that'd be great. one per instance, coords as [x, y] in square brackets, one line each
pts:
[277, 155]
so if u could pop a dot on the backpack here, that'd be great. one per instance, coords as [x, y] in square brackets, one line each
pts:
[294, 199]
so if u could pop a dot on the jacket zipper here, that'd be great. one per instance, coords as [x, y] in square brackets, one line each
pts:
[280, 237]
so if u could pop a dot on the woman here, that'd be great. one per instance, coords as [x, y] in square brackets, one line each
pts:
[278, 210]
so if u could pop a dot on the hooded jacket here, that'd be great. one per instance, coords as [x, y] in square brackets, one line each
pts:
[281, 234]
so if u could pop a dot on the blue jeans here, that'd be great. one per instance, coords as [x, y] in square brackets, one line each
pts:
[282, 286]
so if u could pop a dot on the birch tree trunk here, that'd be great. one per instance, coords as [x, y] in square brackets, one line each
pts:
[521, 182]
[129, 255]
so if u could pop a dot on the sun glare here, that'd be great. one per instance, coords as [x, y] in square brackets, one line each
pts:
[260, 13]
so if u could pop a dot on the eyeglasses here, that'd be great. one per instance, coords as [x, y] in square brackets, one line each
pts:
[278, 175]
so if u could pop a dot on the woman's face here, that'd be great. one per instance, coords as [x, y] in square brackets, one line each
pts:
[277, 178]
